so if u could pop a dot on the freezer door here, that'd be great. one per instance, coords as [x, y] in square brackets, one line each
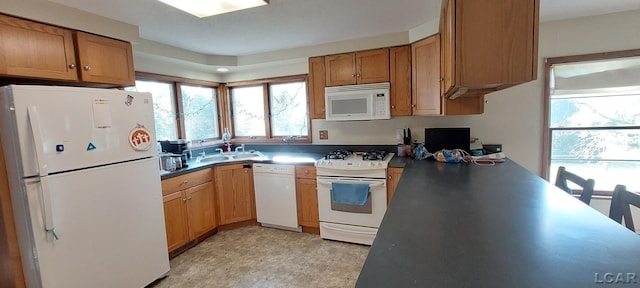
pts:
[110, 227]
[68, 128]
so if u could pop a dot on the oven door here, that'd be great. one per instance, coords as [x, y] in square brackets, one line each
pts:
[372, 218]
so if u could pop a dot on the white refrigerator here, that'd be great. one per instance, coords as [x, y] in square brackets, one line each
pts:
[85, 186]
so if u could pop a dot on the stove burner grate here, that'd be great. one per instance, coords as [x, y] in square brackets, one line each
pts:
[375, 155]
[338, 154]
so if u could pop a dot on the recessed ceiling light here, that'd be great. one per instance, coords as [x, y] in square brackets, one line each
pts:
[222, 69]
[206, 8]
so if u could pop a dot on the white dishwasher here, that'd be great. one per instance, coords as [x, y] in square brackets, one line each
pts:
[275, 189]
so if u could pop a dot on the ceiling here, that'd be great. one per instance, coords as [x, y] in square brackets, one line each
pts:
[286, 24]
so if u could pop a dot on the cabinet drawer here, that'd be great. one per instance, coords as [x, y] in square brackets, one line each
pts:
[185, 181]
[306, 172]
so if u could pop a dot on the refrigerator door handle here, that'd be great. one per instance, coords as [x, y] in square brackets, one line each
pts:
[34, 119]
[46, 207]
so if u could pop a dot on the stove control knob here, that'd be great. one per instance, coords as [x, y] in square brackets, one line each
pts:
[370, 164]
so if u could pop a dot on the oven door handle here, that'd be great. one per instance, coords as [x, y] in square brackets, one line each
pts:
[371, 184]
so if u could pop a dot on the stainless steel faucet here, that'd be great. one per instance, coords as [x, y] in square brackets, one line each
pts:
[219, 150]
[241, 147]
[288, 139]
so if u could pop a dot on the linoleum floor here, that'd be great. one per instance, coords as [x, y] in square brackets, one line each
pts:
[264, 257]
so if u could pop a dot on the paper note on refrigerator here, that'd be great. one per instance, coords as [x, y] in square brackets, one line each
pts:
[101, 113]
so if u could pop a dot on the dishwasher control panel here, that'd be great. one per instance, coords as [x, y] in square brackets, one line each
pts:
[273, 168]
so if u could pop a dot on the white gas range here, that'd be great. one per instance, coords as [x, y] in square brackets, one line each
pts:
[352, 194]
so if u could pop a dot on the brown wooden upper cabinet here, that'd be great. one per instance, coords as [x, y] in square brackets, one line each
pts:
[34, 50]
[488, 45]
[316, 87]
[361, 67]
[427, 99]
[400, 80]
[104, 60]
[30, 49]
[425, 57]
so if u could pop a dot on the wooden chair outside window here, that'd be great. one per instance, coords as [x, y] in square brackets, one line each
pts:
[586, 185]
[621, 206]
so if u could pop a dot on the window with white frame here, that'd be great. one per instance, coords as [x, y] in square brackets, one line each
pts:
[594, 119]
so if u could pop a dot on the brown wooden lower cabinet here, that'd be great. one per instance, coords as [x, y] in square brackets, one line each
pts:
[236, 199]
[189, 214]
[393, 177]
[307, 194]
[189, 207]
[307, 198]
[176, 220]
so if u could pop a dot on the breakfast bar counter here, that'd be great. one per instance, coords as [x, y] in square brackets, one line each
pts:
[464, 225]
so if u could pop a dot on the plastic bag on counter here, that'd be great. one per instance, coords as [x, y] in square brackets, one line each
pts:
[451, 156]
[421, 153]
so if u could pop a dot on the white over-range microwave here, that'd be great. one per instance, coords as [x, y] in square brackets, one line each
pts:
[357, 102]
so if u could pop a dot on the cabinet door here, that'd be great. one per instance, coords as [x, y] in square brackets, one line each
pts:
[340, 69]
[234, 187]
[105, 60]
[393, 176]
[372, 66]
[316, 87]
[176, 220]
[425, 57]
[448, 39]
[400, 78]
[201, 209]
[307, 194]
[497, 41]
[34, 50]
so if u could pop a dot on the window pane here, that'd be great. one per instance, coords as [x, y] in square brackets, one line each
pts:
[607, 174]
[595, 144]
[164, 108]
[248, 111]
[595, 111]
[288, 109]
[200, 112]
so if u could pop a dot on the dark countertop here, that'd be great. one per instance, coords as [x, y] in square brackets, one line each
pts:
[293, 158]
[400, 162]
[463, 225]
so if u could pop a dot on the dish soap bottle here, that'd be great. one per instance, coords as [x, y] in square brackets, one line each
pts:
[226, 138]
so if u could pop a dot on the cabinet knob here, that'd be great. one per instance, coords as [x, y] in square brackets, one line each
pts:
[185, 182]
[189, 198]
[393, 107]
[306, 171]
[413, 106]
[72, 66]
[87, 67]
[353, 75]
[184, 199]
[322, 109]
[390, 177]
[358, 75]
[441, 79]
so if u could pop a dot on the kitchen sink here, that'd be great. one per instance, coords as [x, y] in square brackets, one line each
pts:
[246, 155]
[231, 156]
[216, 158]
